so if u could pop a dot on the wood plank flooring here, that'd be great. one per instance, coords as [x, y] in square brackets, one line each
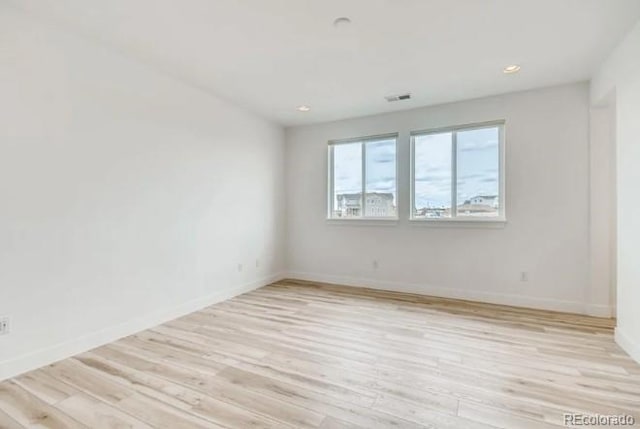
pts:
[302, 355]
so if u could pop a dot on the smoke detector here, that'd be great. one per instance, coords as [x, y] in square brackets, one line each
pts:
[341, 22]
[399, 97]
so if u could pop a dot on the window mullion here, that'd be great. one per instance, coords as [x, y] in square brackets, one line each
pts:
[364, 178]
[412, 179]
[501, 172]
[332, 183]
[454, 174]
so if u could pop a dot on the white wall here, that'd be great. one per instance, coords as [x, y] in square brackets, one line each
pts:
[126, 197]
[620, 74]
[602, 244]
[547, 159]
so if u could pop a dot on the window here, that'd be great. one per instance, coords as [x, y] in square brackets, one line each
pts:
[458, 173]
[362, 178]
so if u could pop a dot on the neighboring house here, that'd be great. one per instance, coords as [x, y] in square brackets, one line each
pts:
[484, 200]
[377, 204]
[480, 205]
[433, 212]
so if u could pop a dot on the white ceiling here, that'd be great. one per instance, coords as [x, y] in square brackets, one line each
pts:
[272, 55]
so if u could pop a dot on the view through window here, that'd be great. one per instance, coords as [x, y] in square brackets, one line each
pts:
[457, 173]
[362, 178]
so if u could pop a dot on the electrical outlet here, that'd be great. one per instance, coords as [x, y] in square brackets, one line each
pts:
[257, 263]
[524, 276]
[4, 325]
[375, 264]
[240, 268]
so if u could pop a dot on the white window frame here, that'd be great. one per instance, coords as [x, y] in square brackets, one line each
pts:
[331, 185]
[502, 217]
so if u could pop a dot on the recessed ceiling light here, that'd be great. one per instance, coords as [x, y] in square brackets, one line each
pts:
[341, 22]
[303, 108]
[513, 68]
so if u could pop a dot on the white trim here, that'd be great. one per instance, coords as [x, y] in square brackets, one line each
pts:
[369, 221]
[460, 222]
[597, 310]
[374, 137]
[502, 173]
[451, 128]
[628, 344]
[363, 175]
[30, 361]
[330, 182]
[445, 292]
[454, 175]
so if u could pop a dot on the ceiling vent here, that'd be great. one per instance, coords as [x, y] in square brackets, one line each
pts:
[400, 97]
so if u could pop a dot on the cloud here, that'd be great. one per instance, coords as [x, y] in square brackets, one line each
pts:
[478, 146]
[433, 179]
[387, 185]
[384, 159]
[472, 176]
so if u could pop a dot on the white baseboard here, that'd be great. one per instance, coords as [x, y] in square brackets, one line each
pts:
[628, 344]
[443, 292]
[49, 355]
[599, 310]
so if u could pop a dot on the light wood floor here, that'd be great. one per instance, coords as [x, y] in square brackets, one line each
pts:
[300, 355]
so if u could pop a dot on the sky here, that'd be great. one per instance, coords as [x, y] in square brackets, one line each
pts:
[478, 166]
[380, 167]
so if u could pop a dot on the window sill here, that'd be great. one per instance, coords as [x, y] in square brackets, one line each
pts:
[496, 223]
[363, 221]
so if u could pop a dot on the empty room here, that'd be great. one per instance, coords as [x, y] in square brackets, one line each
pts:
[319, 214]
